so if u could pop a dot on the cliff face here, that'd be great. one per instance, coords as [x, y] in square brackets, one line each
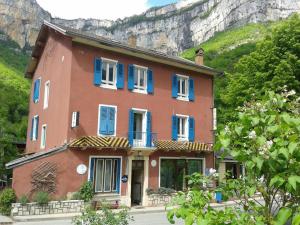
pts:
[172, 28]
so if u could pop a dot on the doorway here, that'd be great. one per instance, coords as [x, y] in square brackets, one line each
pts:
[137, 180]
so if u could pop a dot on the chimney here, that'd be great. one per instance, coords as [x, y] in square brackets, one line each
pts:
[199, 56]
[132, 40]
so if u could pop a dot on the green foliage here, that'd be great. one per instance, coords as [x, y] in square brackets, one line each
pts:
[160, 191]
[265, 139]
[86, 191]
[76, 196]
[23, 199]
[7, 197]
[41, 198]
[105, 217]
[14, 92]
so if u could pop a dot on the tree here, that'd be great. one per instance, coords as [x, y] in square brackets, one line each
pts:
[265, 139]
[275, 63]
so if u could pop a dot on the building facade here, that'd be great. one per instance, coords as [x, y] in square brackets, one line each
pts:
[123, 117]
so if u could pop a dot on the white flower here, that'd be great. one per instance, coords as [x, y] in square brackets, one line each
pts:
[215, 175]
[269, 144]
[212, 171]
[226, 129]
[252, 134]
[291, 92]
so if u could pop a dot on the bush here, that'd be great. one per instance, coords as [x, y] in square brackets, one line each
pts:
[7, 197]
[160, 191]
[86, 191]
[76, 196]
[41, 198]
[23, 200]
[106, 217]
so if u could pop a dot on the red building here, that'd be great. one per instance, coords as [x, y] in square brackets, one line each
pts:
[124, 117]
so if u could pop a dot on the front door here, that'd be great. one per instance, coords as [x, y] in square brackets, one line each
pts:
[137, 180]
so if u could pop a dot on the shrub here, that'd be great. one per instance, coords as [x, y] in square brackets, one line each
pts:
[86, 191]
[165, 191]
[106, 217]
[23, 200]
[41, 198]
[7, 197]
[76, 196]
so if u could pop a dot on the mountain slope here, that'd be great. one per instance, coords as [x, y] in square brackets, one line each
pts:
[171, 28]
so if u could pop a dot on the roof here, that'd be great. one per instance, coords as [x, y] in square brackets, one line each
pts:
[112, 45]
[167, 145]
[100, 142]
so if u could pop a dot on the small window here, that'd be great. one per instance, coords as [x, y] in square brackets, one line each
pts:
[107, 175]
[107, 120]
[182, 128]
[75, 119]
[43, 136]
[36, 90]
[140, 78]
[109, 70]
[34, 128]
[46, 94]
[182, 87]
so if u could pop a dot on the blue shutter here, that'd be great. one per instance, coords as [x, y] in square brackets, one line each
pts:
[120, 76]
[130, 77]
[37, 127]
[92, 168]
[174, 128]
[97, 71]
[149, 130]
[191, 129]
[191, 90]
[174, 86]
[31, 132]
[36, 90]
[130, 127]
[103, 120]
[118, 175]
[111, 120]
[150, 81]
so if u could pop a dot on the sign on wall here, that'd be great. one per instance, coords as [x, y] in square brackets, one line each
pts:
[81, 169]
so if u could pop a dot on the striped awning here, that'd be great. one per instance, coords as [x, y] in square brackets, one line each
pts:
[100, 142]
[168, 145]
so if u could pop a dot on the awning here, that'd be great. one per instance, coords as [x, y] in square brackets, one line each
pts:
[168, 145]
[100, 142]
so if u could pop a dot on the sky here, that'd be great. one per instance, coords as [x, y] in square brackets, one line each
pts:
[99, 9]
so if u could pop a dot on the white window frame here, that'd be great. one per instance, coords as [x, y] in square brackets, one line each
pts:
[180, 96]
[138, 88]
[99, 120]
[186, 128]
[106, 83]
[105, 157]
[43, 136]
[34, 128]
[144, 124]
[188, 158]
[46, 94]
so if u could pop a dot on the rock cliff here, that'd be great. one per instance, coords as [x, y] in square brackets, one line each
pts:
[171, 28]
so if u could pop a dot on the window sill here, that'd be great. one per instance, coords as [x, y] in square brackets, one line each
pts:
[183, 99]
[113, 87]
[107, 135]
[140, 91]
[182, 139]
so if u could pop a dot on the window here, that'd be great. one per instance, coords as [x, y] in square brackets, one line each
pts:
[46, 94]
[174, 170]
[182, 87]
[182, 128]
[109, 68]
[34, 128]
[140, 79]
[107, 120]
[107, 174]
[75, 119]
[36, 90]
[43, 136]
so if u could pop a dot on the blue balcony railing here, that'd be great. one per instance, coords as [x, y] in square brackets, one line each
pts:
[141, 139]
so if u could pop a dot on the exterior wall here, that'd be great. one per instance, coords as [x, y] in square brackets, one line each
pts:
[85, 97]
[67, 178]
[55, 66]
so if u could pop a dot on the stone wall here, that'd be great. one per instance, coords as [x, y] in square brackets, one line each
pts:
[52, 207]
[159, 200]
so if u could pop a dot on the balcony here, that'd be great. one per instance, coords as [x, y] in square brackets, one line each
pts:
[142, 139]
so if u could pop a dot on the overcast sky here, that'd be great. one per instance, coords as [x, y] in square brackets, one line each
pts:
[98, 9]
